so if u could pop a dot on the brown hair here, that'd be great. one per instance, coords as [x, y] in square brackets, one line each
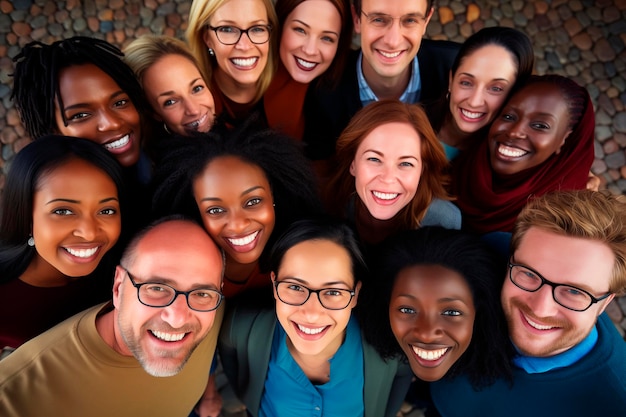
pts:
[434, 178]
[333, 74]
[582, 214]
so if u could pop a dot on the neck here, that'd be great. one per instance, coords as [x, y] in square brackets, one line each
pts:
[386, 87]
[40, 273]
[372, 230]
[451, 135]
[316, 366]
[238, 273]
[107, 328]
[237, 92]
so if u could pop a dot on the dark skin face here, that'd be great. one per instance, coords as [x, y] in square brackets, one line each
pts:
[531, 127]
[431, 312]
[97, 109]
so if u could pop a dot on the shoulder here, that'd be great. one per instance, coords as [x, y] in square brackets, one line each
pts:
[442, 213]
[240, 322]
[429, 46]
[50, 348]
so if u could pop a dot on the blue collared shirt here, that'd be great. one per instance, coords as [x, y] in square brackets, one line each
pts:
[410, 95]
[288, 391]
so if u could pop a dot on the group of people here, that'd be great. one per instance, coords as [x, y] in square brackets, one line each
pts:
[350, 229]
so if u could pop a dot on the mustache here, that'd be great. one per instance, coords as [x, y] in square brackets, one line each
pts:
[161, 326]
[547, 321]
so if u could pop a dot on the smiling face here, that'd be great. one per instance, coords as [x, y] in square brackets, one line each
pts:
[236, 204]
[97, 109]
[163, 339]
[309, 40]
[538, 326]
[389, 50]
[531, 127]
[178, 95]
[387, 169]
[432, 313]
[479, 88]
[240, 65]
[76, 217]
[312, 329]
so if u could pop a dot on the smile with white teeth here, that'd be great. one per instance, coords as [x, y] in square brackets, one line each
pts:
[306, 64]
[168, 337]
[429, 355]
[244, 240]
[308, 330]
[82, 253]
[510, 151]
[244, 62]
[196, 123]
[472, 115]
[385, 196]
[390, 54]
[123, 141]
[537, 325]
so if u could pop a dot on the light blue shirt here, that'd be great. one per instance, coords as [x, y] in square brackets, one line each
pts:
[410, 95]
[288, 391]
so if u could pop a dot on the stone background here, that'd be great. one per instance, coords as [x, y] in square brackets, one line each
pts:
[582, 39]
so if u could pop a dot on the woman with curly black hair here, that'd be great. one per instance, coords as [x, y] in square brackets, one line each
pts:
[245, 185]
[435, 299]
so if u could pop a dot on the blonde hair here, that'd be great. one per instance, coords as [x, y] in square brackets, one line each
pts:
[584, 214]
[199, 15]
[144, 51]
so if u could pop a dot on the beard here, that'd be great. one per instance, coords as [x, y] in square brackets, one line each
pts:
[537, 345]
[156, 361]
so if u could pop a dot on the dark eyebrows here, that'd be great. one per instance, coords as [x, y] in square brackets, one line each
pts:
[69, 200]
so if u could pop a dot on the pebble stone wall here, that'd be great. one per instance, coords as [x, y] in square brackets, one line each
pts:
[581, 39]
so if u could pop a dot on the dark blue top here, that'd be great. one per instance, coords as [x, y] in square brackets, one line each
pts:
[595, 385]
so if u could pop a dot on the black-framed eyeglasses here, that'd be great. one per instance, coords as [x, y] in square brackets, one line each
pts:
[158, 295]
[572, 298]
[381, 20]
[230, 35]
[296, 294]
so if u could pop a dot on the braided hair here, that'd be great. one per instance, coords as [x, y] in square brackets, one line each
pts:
[36, 78]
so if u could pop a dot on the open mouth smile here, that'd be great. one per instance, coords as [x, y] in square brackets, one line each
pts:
[247, 63]
[82, 253]
[168, 337]
[510, 151]
[429, 355]
[119, 143]
[243, 240]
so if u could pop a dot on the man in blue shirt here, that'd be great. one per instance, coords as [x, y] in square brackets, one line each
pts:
[388, 65]
[568, 262]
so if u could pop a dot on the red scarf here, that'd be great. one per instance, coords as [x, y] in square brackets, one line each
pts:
[490, 202]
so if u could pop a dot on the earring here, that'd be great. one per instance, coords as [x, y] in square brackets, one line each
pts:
[448, 95]
[166, 129]
[211, 52]
[31, 241]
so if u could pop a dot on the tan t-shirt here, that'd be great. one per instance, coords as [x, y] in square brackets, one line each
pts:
[70, 371]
